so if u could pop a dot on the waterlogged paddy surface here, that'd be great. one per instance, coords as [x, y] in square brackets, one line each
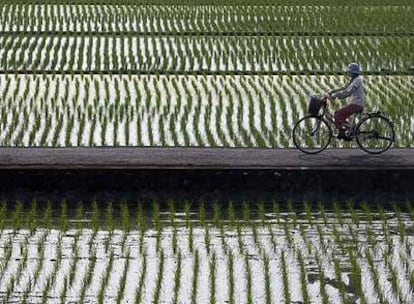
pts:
[227, 254]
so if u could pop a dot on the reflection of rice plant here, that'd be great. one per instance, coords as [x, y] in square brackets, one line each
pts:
[266, 264]
[189, 225]
[322, 281]
[3, 212]
[308, 212]
[126, 224]
[122, 283]
[375, 276]
[341, 284]
[303, 277]
[32, 217]
[196, 266]
[173, 223]
[26, 291]
[64, 290]
[218, 222]
[45, 291]
[41, 258]
[159, 278]
[212, 277]
[64, 222]
[230, 276]
[142, 226]
[248, 279]
[140, 287]
[105, 278]
[156, 222]
[109, 224]
[338, 212]
[396, 287]
[87, 280]
[356, 275]
[17, 216]
[47, 215]
[177, 278]
[204, 224]
[231, 215]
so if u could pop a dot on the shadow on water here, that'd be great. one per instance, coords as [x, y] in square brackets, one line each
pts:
[268, 186]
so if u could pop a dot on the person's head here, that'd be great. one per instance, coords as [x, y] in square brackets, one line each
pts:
[354, 69]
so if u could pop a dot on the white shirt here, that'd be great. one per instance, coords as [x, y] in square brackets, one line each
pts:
[354, 89]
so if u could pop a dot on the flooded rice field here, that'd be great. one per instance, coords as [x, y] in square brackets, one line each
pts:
[251, 252]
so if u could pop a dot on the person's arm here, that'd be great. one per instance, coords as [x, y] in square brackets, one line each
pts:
[347, 90]
[330, 92]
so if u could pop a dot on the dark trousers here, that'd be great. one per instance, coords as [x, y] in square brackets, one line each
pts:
[342, 114]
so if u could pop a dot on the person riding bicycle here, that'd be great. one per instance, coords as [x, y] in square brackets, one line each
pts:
[354, 89]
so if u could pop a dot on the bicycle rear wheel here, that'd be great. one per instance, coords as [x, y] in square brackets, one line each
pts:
[375, 134]
[311, 134]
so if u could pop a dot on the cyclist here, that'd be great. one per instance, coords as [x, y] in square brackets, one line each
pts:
[354, 89]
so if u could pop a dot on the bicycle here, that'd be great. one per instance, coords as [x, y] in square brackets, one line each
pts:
[374, 132]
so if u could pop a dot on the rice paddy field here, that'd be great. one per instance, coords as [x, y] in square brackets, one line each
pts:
[191, 73]
[97, 73]
[186, 252]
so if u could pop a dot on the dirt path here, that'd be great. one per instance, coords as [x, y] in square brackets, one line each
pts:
[200, 158]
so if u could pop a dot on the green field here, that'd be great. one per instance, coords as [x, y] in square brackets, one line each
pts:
[205, 252]
[77, 73]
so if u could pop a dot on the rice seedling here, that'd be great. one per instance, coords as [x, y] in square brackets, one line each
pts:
[126, 223]
[218, 222]
[189, 225]
[17, 217]
[109, 224]
[142, 226]
[204, 224]
[32, 217]
[64, 222]
[48, 215]
[157, 223]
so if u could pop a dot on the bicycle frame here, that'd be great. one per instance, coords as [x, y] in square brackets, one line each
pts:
[331, 119]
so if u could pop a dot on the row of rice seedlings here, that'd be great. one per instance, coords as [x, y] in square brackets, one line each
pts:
[66, 123]
[292, 222]
[186, 54]
[192, 18]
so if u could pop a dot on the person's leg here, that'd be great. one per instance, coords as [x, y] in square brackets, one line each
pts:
[342, 114]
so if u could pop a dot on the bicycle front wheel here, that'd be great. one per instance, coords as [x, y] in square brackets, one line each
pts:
[375, 134]
[311, 134]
